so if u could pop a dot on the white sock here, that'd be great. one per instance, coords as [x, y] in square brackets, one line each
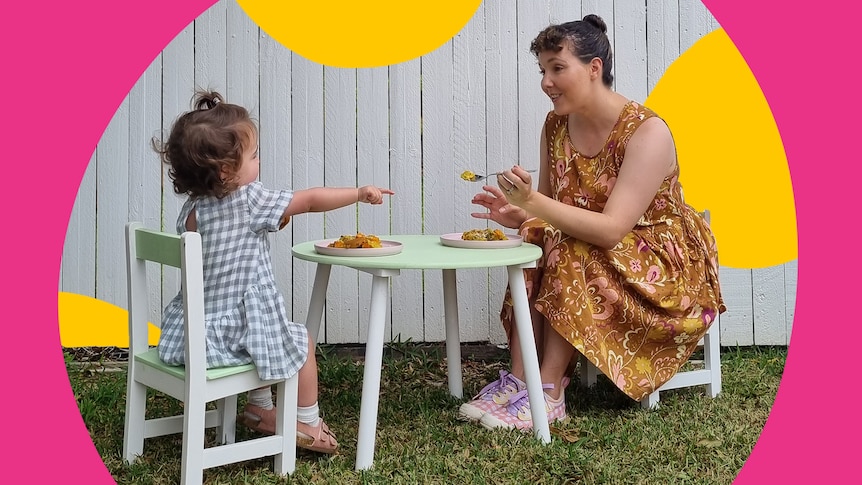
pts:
[309, 415]
[261, 398]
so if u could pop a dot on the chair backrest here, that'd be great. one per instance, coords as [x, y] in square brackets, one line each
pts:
[183, 252]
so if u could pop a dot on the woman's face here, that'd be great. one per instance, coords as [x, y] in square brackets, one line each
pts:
[565, 79]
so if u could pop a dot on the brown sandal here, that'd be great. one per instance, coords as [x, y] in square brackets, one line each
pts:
[258, 419]
[318, 438]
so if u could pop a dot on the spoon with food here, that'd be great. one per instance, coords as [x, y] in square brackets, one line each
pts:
[474, 177]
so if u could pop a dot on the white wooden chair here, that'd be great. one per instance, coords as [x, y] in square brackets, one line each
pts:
[709, 375]
[193, 384]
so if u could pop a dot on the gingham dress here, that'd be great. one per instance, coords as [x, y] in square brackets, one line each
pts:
[245, 314]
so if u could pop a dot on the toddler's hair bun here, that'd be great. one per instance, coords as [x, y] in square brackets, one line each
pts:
[596, 22]
[207, 100]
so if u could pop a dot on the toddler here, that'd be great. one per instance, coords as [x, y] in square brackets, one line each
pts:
[212, 152]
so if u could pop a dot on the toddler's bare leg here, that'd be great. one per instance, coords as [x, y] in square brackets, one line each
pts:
[308, 379]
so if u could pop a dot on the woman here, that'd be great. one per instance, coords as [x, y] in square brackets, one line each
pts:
[629, 275]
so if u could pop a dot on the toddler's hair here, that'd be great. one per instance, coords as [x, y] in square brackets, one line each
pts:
[205, 146]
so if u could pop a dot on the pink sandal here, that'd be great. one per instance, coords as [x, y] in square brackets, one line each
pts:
[257, 418]
[318, 438]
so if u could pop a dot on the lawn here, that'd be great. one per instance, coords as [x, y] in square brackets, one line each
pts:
[689, 439]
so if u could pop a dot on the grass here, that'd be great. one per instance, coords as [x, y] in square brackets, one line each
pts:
[690, 439]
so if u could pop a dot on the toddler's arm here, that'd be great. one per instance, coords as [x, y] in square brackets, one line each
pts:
[320, 199]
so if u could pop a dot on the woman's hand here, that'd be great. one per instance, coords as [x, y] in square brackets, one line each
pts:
[499, 209]
[517, 185]
[373, 195]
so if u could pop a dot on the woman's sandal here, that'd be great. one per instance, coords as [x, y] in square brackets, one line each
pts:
[317, 438]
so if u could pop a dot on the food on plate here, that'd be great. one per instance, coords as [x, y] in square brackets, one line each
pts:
[468, 175]
[356, 242]
[484, 235]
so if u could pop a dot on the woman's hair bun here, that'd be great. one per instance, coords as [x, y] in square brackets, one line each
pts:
[596, 22]
[207, 99]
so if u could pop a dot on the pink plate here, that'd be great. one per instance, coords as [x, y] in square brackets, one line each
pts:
[454, 240]
[389, 248]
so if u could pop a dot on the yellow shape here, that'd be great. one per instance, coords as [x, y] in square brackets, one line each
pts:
[89, 322]
[350, 33]
[731, 157]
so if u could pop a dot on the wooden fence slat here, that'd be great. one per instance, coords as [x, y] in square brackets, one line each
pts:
[695, 21]
[342, 314]
[737, 322]
[405, 161]
[533, 104]
[78, 269]
[662, 38]
[565, 11]
[630, 49]
[307, 141]
[145, 187]
[438, 167]
[178, 77]
[372, 168]
[210, 49]
[791, 272]
[112, 207]
[243, 60]
[276, 163]
[469, 94]
[501, 129]
[769, 305]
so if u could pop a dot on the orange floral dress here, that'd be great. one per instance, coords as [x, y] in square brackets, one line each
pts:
[638, 310]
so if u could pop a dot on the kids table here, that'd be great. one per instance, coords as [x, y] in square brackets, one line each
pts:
[427, 252]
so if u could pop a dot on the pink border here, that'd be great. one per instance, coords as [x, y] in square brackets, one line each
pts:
[803, 57]
[67, 68]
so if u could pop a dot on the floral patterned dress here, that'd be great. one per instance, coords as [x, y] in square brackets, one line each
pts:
[636, 311]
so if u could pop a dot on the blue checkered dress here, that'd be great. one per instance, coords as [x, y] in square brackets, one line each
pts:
[246, 317]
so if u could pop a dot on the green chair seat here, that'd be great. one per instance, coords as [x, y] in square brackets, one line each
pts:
[151, 358]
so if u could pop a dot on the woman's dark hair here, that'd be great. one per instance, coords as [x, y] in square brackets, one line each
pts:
[206, 145]
[587, 39]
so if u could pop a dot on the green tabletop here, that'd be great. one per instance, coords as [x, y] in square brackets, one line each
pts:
[426, 252]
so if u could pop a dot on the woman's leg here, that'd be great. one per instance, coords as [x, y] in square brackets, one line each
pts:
[556, 364]
[539, 325]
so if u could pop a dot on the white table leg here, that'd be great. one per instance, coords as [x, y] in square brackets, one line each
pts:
[453, 338]
[524, 325]
[318, 299]
[371, 379]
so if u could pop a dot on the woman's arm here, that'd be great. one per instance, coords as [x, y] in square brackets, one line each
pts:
[650, 157]
[499, 209]
[544, 165]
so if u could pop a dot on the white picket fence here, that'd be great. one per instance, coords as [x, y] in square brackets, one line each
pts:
[474, 103]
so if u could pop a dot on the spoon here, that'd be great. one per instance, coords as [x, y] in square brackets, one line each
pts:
[474, 177]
